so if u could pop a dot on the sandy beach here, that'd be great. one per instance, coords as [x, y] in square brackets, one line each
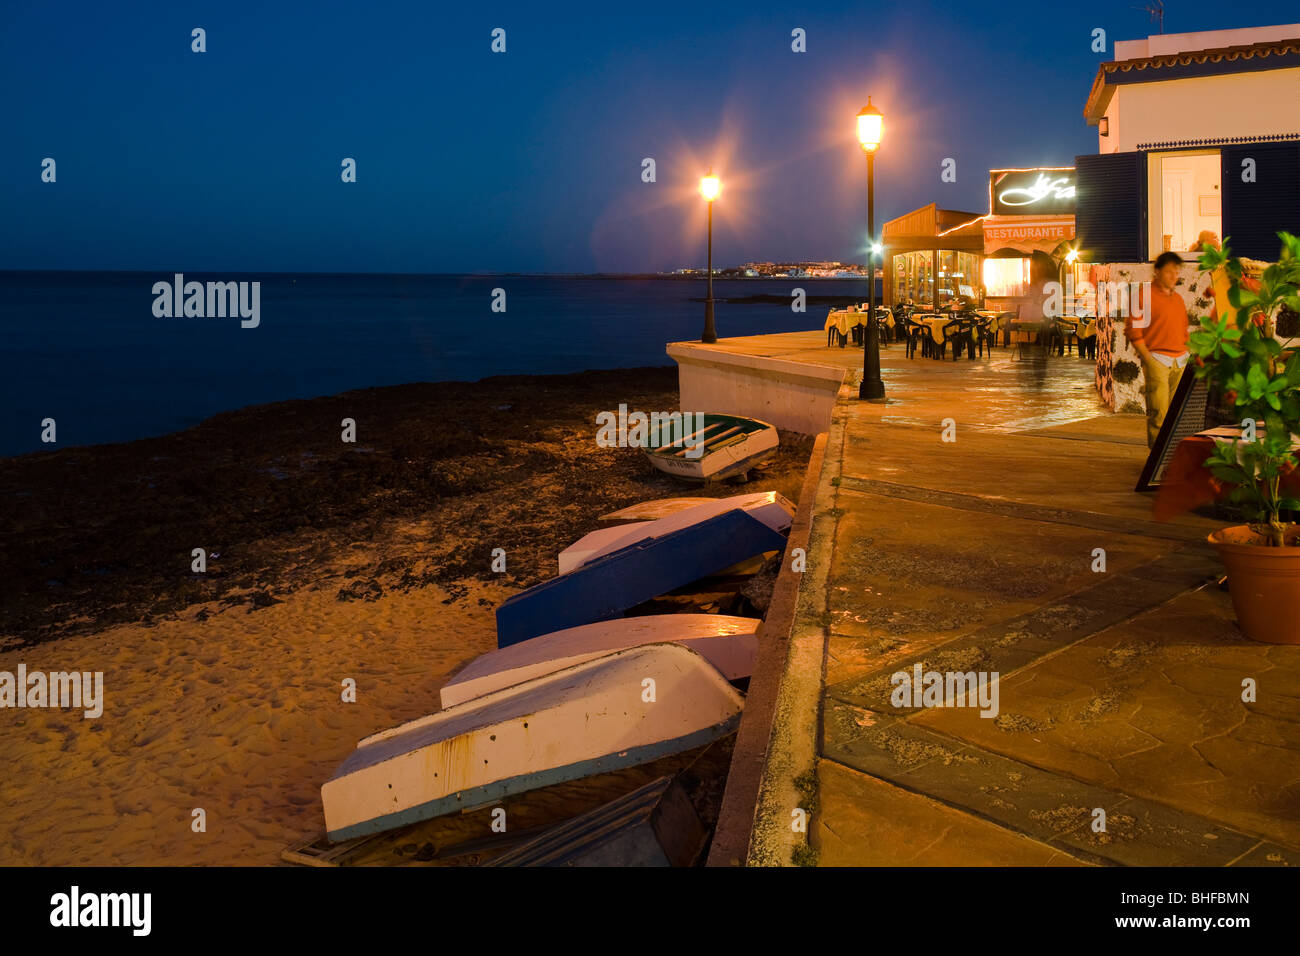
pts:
[329, 561]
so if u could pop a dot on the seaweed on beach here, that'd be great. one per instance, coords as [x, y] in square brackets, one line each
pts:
[440, 474]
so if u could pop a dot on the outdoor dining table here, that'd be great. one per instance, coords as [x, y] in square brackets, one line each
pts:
[999, 323]
[1073, 330]
[935, 324]
[844, 321]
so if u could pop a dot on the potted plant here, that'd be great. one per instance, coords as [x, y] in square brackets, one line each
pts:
[1259, 378]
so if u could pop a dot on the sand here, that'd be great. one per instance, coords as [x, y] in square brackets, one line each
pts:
[240, 715]
[223, 691]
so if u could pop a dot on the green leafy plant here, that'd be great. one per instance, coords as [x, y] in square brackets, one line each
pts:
[1260, 379]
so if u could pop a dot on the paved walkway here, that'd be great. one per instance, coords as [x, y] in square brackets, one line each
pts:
[1118, 690]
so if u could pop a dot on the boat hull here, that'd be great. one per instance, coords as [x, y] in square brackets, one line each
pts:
[730, 644]
[608, 585]
[584, 720]
[589, 545]
[769, 507]
[649, 510]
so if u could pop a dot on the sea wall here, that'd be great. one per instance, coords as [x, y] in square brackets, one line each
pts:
[790, 395]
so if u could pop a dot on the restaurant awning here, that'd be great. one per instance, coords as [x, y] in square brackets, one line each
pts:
[1027, 234]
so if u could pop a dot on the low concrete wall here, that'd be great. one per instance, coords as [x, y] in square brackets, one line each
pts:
[732, 837]
[790, 395]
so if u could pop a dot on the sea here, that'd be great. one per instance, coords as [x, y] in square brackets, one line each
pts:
[87, 350]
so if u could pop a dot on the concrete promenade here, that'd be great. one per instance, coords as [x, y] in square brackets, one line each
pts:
[1119, 691]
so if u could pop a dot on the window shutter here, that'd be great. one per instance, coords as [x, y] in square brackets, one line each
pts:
[1111, 206]
[1254, 213]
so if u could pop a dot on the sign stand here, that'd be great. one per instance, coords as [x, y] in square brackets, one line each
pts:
[1190, 411]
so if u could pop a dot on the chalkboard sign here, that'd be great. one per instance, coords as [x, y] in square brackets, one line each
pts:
[1191, 409]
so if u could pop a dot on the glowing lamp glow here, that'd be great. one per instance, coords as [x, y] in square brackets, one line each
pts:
[710, 187]
[1072, 255]
[870, 126]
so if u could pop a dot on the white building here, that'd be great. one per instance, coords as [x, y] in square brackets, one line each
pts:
[1195, 131]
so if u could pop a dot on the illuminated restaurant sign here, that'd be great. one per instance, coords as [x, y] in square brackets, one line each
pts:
[1031, 192]
[1028, 232]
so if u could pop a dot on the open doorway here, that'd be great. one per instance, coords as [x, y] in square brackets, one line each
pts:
[1186, 199]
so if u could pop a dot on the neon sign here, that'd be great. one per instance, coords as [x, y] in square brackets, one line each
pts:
[1033, 192]
[1060, 188]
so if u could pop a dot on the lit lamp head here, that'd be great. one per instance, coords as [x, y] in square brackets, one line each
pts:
[1072, 255]
[710, 187]
[870, 126]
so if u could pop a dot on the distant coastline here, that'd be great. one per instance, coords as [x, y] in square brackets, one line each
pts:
[168, 270]
[87, 351]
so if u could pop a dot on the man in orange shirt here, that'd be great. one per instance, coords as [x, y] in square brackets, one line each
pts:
[1158, 331]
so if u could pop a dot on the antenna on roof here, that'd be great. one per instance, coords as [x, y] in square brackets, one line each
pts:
[1156, 11]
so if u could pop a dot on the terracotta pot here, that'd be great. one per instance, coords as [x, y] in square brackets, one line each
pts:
[1264, 582]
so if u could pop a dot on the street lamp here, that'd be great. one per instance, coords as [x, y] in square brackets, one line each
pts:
[870, 127]
[709, 189]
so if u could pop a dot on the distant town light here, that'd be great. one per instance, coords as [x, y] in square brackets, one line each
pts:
[710, 187]
[870, 126]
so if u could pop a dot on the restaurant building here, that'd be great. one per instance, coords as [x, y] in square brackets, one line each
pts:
[1028, 236]
[1195, 131]
[999, 260]
[932, 255]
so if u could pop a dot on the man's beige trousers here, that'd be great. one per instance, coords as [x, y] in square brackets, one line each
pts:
[1161, 383]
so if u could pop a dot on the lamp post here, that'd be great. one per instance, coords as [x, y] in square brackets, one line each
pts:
[870, 124]
[709, 189]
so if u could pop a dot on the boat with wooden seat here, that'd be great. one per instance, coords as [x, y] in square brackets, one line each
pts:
[724, 446]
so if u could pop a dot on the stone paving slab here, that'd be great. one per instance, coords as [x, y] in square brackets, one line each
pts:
[1154, 707]
[1027, 510]
[877, 824]
[1048, 807]
[938, 583]
[1269, 854]
[1003, 646]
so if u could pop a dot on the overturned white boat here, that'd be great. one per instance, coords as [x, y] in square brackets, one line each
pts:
[728, 643]
[649, 510]
[619, 710]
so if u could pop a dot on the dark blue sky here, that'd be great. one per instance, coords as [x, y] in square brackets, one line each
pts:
[529, 160]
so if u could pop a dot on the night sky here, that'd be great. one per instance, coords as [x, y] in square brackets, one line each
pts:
[470, 161]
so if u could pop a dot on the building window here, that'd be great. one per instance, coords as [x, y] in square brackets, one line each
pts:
[914, 277]
[1082, 291]
[1185, 199]
[966, 278]
[958, 275]
[1006, 277]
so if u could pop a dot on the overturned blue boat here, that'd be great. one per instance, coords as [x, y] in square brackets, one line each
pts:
[607, 584]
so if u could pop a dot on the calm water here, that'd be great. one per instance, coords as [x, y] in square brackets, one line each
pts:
[86, 350]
